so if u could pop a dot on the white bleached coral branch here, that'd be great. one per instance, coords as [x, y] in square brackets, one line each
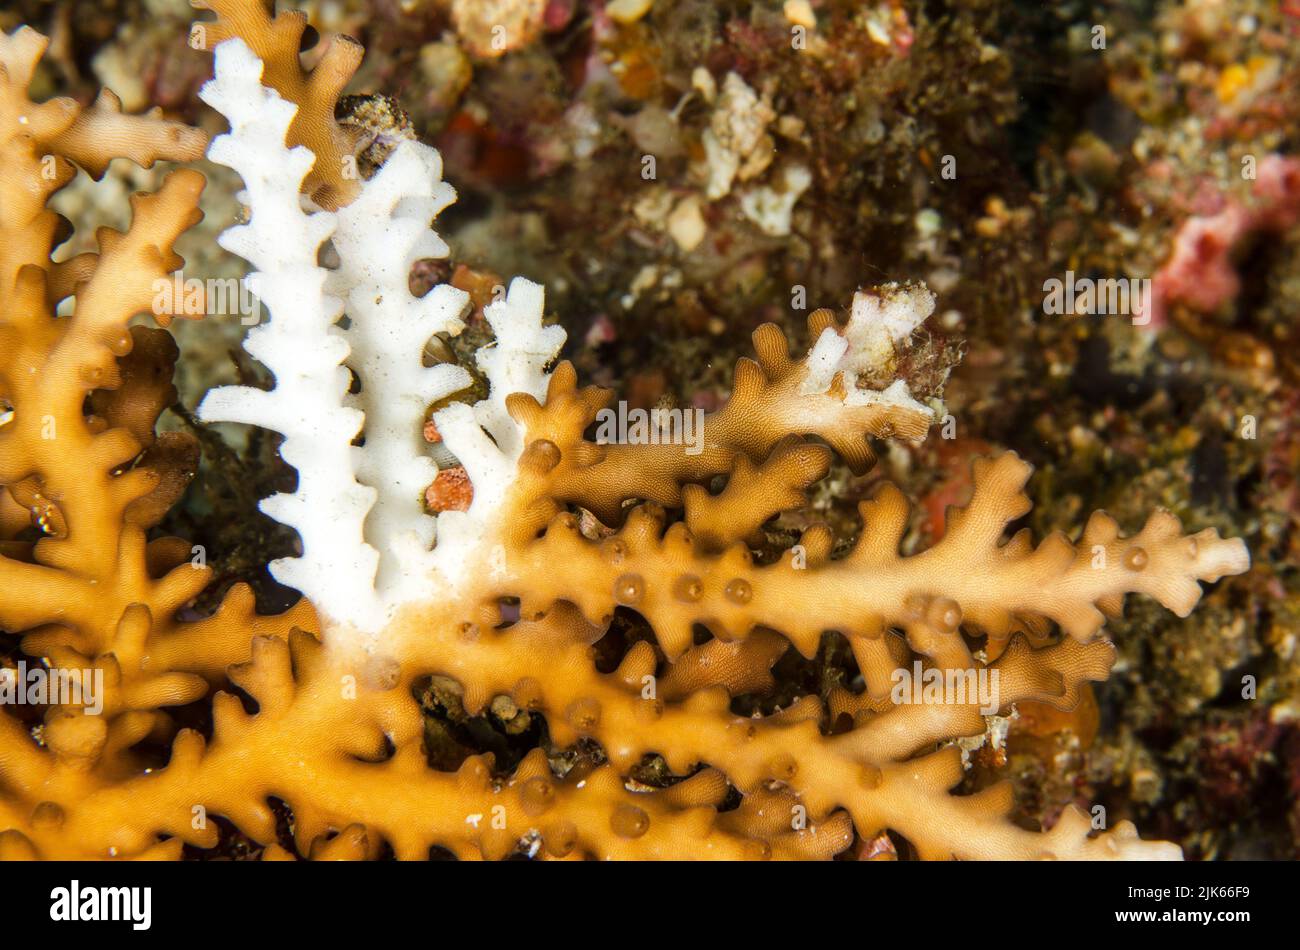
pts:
[299, 344]
[367, 539]
[485, 438]
[516, 363]
[380, 235]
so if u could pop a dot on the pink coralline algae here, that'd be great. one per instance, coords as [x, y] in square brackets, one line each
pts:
[1201, 272]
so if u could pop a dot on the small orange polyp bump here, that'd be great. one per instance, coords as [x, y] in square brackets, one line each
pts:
[474, 773]
[561, 839]
[119, 344]
[542, 455]
[628, 821]
[783, 767]
[468, 631]
[870, 777]
[1193, 548]
[47, 816]
[537, 796]
[1136, 558]
[688, 588]
[615, 551]
[583, 714]
[944, 614]
[739, 591]
[629, 589]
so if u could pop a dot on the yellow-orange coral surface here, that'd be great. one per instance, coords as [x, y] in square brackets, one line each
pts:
[335, 728]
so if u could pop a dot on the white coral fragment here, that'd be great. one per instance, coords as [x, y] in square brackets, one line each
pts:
[880, 322]
[358, 509]
[516, 362]
[485, 438]
[298, 345]
[379, 238]
[736, 143]
[771, 207]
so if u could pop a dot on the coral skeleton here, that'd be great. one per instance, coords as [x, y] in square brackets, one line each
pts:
[506, 597]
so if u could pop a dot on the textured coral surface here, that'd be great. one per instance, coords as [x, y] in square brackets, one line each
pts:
[440, 595]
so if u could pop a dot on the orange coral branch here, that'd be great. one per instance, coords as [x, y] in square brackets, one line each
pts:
[332, 181]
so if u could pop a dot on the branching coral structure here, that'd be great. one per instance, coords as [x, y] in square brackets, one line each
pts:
[507, 597]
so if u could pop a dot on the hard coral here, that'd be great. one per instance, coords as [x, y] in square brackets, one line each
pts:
[276, 40]
[514, 590]
[80, 577]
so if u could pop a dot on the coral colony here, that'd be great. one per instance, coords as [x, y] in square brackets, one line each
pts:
[555, 535]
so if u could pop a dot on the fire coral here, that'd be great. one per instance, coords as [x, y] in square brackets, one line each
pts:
[505, 597]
